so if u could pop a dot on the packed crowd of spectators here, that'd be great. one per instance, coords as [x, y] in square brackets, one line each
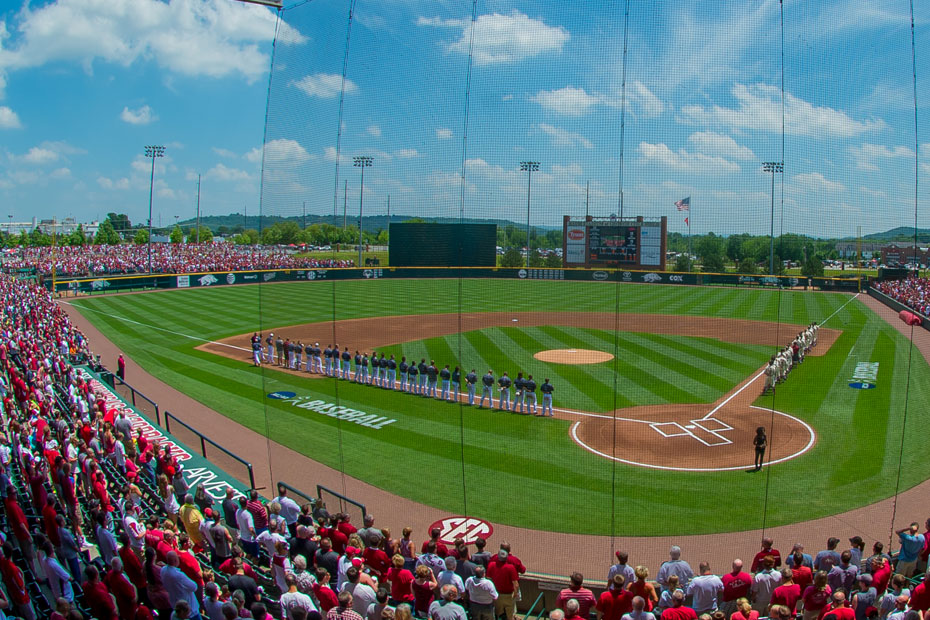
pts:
[99, 521]
[912, 292]
[103, 260]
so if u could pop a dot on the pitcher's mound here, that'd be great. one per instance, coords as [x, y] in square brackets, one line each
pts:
[573, 356]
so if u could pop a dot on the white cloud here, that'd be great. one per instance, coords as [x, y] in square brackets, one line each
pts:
[226, 153]
[142, 116]
[282, 151]
[874, 193]
[324, 85]
[867, 155]
[212, 38]
[683, 161]
[816, 182]
[374, 130]
[38, 155]
[220, 172]
[442, 133]
[106, 183]
[503, 38]
[568, 100]
[60, 173]
[24, 177]
[643, 101]
[166, 192]
[563, 137]
[759, 107]
[406, 153]
[329, 154]
[719, 144]
[507, 97]
[254, 156]
[8, 118]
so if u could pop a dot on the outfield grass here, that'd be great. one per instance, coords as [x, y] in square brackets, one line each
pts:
[526, 471]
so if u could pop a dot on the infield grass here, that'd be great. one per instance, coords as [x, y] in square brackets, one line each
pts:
[526, 471]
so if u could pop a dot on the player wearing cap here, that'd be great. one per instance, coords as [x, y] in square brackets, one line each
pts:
[529, 393]
[546, 389]
[328, 360]
[412, 379]
[471, 381]
[504, 384]
[269, 344]
[487, 383]
[402, 367]
[456, 381]
[431, 373]
[346, 363]
[445, 375]
[358, 366]
[518, 392]
[391, 373]
[256, 350]
[421, 384]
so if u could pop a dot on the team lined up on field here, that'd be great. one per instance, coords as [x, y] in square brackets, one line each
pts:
[422, 379]
[789, 357]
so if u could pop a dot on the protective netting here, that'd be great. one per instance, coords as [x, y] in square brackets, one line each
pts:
[765, 133]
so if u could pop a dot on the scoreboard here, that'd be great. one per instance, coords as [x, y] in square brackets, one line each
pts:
[630, 243]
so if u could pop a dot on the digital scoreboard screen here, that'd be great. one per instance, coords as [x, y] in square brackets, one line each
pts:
[616, 244]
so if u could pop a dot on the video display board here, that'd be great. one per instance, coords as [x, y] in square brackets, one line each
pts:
[614, 244]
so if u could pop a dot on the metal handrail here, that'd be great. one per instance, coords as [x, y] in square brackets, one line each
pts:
[205, 440]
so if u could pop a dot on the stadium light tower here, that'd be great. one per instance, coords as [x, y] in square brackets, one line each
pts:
[773, 167]
[529, 167]
[154, 152]
[361, 161]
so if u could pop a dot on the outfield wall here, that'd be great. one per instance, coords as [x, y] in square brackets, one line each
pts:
[124, 283]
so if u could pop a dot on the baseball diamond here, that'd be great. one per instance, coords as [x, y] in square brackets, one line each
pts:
[681, 398]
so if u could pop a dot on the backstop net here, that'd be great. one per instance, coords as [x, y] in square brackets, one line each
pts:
[680, 190]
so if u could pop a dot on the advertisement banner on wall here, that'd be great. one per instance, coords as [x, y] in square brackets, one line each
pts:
[575, 243]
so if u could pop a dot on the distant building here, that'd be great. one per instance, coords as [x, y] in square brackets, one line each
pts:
[902, 253]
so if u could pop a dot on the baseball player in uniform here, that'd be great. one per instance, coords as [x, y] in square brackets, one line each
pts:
[403, 373]
[298, 354]
[317, 358]
[471, 383]
[413, 386]
[364, 376]
[445, 375]
[308, 353]
[421, 383]
[431, 375]
[546, 389]
[384, 368]
[328, 360]
[769, 376]
[504, 384]
[378, 370]
[346, 364]
[256, 350]
[269, 342]
[456, 381]
[391, 373]
[518, 392]
[288, 353]
[279, 349]
[487, 384]
[358, 366]
[529, 394]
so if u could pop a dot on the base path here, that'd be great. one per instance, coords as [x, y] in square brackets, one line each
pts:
[592, 555]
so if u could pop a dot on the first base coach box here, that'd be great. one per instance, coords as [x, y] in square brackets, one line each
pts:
[627, 243]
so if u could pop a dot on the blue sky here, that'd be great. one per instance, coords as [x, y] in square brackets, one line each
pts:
[86, 84]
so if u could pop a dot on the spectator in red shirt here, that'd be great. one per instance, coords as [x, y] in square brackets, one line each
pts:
[766, 550]
[441, 549]
[816, 596]
[400, 579]
[678, 610]
[122, 590]
[788, 593]
[576, 591]
[920, 596]
[801, 574]
[15, 584]
[132, 565]
[259, 514]
[838, 610]
[97, 595]
[507, 581]
[736, 585]
[616, 600]
[881, 574]
[323, 592]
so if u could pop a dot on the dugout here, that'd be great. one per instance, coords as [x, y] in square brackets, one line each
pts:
[420, 244]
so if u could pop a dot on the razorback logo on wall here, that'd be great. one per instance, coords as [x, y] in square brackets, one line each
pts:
[469, 529]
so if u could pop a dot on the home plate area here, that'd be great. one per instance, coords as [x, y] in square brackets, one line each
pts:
[709, 431]
[691, 437]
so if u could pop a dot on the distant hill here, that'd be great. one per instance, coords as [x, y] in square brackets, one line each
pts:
[235, 221]
[901, 233]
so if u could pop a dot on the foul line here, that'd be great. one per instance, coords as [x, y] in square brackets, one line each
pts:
[853, 298]
[122, 318]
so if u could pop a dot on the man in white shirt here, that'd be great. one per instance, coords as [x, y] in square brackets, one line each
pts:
[763, 584]
[246, 529]
[106, 541]
[362, 595]
[704, 590]
[134, 529]
[449, 576]
[293, 598]
[481, 595]
[623, 568]
[289, 510]
[675, 566]
[639, 610]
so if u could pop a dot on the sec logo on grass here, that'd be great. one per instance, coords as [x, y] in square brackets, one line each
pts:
[469, 529]
[282, 395]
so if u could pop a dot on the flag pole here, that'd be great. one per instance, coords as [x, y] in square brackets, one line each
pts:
[690, 213]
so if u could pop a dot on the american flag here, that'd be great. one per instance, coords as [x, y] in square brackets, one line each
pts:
[684, 204]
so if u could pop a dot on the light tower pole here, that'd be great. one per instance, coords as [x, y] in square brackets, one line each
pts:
[773, 167]
[361, 161]
[154, 152]
[529, 167]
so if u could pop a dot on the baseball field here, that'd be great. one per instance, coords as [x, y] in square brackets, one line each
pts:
[655, 439]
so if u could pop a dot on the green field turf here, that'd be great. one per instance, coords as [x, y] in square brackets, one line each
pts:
[526, 471]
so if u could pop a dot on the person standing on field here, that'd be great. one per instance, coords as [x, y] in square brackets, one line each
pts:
[546, 389]
[518, 392]
[403, 373]
[503, 383]
[121, 367]
[346, 364]
[391, 373]
[456, 381]
[487, 382]
[279, 351]
[529, 394]
[446, 375]
[269, 344]
[471, 380]
[431, 373]
[412, 379]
